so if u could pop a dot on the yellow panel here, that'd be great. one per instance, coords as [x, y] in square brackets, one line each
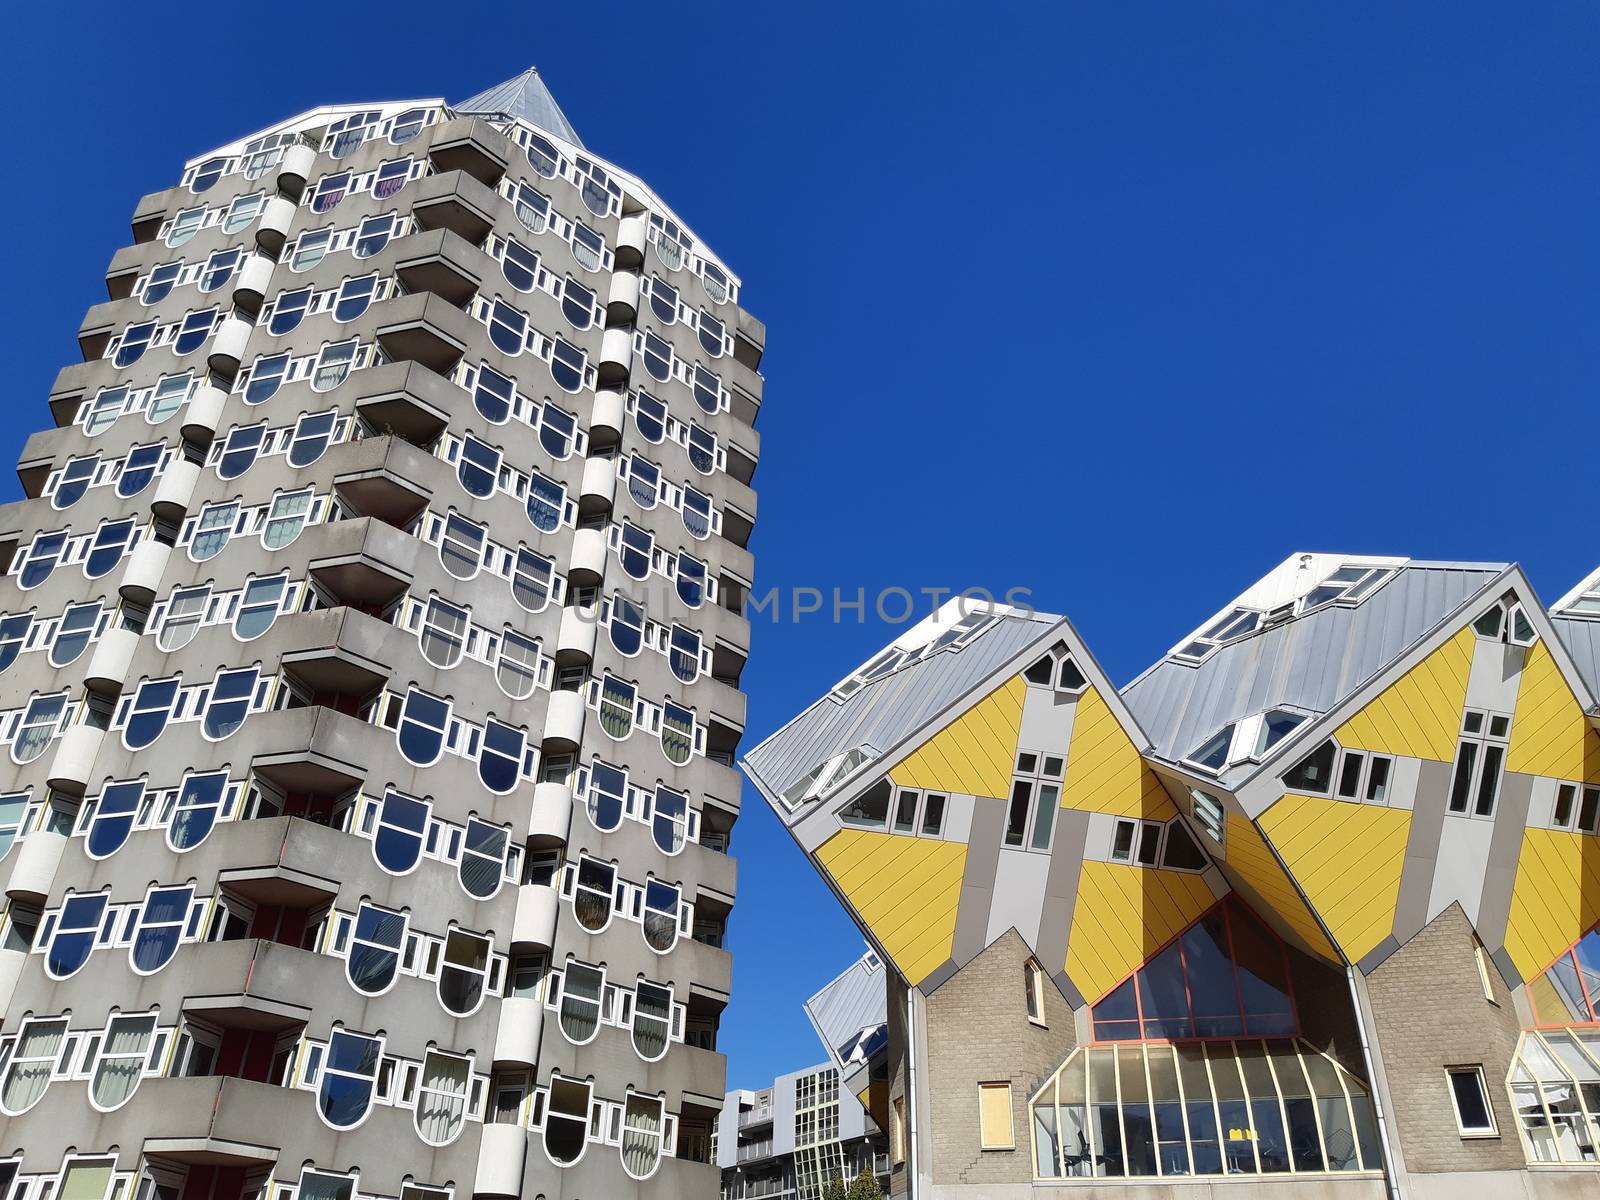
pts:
[904, 889]
[875, 1099]
[994, 1117]
[1419, 714]
[1122, 916]
[1556, 899]
[1549, 734]
[975, 753]
[1347, 859]
[1252, 860]
[1104, 771]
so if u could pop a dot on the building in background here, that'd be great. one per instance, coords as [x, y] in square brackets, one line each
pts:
[370, 663]
[789, 1139]
[1308, 908]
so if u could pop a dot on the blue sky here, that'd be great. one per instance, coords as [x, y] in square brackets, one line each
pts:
[1122, 303]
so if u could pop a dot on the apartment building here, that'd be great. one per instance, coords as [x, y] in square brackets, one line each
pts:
[370, 660]
[1309, 908]
[787, 1140]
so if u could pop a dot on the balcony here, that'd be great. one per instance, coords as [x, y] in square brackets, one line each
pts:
[359, 562]
[440, 261]
[472, 146]
[754, 1151]
[758, 1116]
[456, 201]
[408, 400]
[337, 651]
[315, 750]
[378, 478]
[424, 329]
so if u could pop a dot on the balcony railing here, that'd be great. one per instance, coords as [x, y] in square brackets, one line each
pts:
[759, 1190]
[751, 1151]
[760, 1115]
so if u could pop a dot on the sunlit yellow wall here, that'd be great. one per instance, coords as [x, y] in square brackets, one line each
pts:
[1556, 898]
[1104, 771]
[1123, 915]
[1419, 715]
[976, 753]
[905, 889]
[1347, 859]
[1250, 858]
[1549, 734]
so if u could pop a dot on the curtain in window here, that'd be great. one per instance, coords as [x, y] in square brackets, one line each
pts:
[641, 1137]
[121, 1061]
[442, 1102]
[580, 1002]
[651, 1015]
[25, 1081]
[86, 1181]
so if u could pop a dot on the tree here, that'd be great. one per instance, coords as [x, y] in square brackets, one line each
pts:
[865, 1187]
[834, 1189]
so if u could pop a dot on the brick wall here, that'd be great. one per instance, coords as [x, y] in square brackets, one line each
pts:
[979, 1032]
[1429, 1013]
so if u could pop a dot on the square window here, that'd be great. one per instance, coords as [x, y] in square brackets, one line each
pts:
[1474, 1117]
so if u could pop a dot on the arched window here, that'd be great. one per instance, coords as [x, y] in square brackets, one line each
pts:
[500, 756]
[683, 653]
[32, 1063]
[121, 1062]
[13, 812]
[353, 297]
[77, 626]
[218, 270]
[40, 559]
[288, 310]
[333, 366]
[40, 723]
[588, 247]
[160, 928]
[650, 417]
[517, 668]
[707, 389]
[423, 720]
[677, 733]
[159, 283]
[286, 518]
[462, 546]
[508, 329]
[581, 989]
[532, 580]
[112, 821]
[13, 633]
[194, 814]
[167, 397]
[691, 580]
[134, 342]
[626, 625]
[607, 790]
[635, 550]
[181, 621]
[442, 1098]
[212, 529]
[229, 702]
[557, 431]
[643, 1131]
[657, 354]
[566, 1120]
[313, 432]
[443, 633]
[377, 940]
[547, 502]
[696, 513]
[139, 469]
[259, 606]
[185, 224]
[373, 235]
[662, 903]
[578, 304]
[493, 395]
[483, 858]
[593, 894]
[644, 482]
[519, 265]
[478, 467]
[702, 450]
[240, 449]
[543, 157]
[74, 934]
[110, 543]
[532, 208]
[196, 328]
[663, 300]
[652, 1020]
[670, 822]
[568, 365]
[464, 973]
[402, 827]
[149, 711]
[266, 376]
[407, 125]
[207, 174]
[712, 336]
[74, 481]
[242, 211]
[349, 1073]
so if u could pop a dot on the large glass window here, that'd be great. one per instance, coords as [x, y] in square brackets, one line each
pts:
[1568, 992]
[547, 502]
[669, 822]
[112, 817]
[194, 813]
[593, 894]
[312, 434]
[259, 605]
[1555, 1090]
[110, 543]
[139, 469]
[402, 827]
[376, 942]
[149, 712]
[443, 635]
[423, 721]
[500, 756]
[464, 975]
[40, 559]
[662, 902]
[40, 722]
[607, 796]
[461, 547]
[532, 580]
[212, 529]
[265, 377]
[286, 518]
[442, 1098]
[493, 395]
[517, 668]
[349, 1075]
[121, 1062]
[77, 626]
[229, 702]
[617, 700]
[181, 621]
[566, 1120]
[478, 468]
[32, 1063]
[74, 481]
[160, 928]
[652, 1019]
[643, 1125]
[483, 858]
[240, 449]
[74, 935]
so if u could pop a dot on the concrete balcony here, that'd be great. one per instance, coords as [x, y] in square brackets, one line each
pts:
[175, 490]
[11, 964]
[359, 561]
[99, 325]
[502, 1154]
[550, 816]
[201, 414]
[34, 866]
[424, 329]
[535, 925]
[599, 486]
[563, 722]
[72, 766]
[632, 233]
[141, 575]
[108, 665]
[576, 639]
[456, 201]
[472, 146]
[274, 224]
[338, 651]
[381, 479]
[408, 400]
[607, 417]
[622, 302]
[294, 169]
[588, 564]
[516, 1043]
[229, 345]
[616, 357]
[441, 262]
[252, 282]
[314, 750]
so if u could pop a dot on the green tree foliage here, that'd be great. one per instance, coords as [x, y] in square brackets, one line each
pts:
[834, 1189]
[865, 1188]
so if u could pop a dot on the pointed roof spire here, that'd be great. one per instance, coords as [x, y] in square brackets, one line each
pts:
[524, 96]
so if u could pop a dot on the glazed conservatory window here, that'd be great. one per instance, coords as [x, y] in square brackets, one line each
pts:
[39, 724]
[1480, 757]
[229, 702]
[662, 903]
[376, 941]
[652, 1019]
[643, 1119]
[566, 1120]
[464, 975]
[121, 1063]
[74, 935]
[1555, 1089]
[1568, 992]
[112, 817]
[517, 668]
[348, 1078]
[1211, 1108]
[402, 824]
[443, 635]
[500, 756]
[581, 990]
[77, 627]
[423, 721]
[32, 1063]
[258, 606]
[483, 858]
[442, 1098]
[194, 813]
[1227, 975]
[160, 927]
[593, 894]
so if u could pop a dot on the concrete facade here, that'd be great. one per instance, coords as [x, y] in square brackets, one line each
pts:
[362, 511]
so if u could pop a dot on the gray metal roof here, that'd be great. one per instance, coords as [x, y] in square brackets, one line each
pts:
[854, 1000]
[524, 96]
[881, 713]
[1581, 637]
[1312, 662]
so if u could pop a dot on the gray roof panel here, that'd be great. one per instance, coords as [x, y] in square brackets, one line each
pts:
[524, 96]
[852, 1002]
[1581, 636]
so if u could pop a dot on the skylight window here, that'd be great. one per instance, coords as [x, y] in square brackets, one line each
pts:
[1347, 584]
[1249, 739]
[1236, 622]
[903, 655]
